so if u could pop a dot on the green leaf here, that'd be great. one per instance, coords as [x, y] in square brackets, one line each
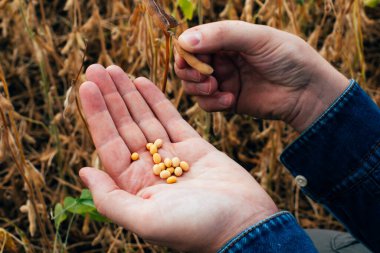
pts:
[69, 204]
[98, 217]
[300, 2]
[187, 8]
[371, 3]
[82, 205]
[86, 194]
[59, 215]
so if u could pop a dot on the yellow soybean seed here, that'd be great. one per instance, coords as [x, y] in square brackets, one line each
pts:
[162, 166]
[153, 149]
[168, 162]
[164, 174]
[134, 156]
[178, 171]
[184, 165]
[156, 169]
[158, 143]
[148, 145]
[175, 161]
[171, 180]
[171, 170]
[156, 158]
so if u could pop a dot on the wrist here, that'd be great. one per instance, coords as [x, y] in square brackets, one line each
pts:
[325, 86]
[235, 228]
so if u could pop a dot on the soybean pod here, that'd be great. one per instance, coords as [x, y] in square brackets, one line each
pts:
[193, 61]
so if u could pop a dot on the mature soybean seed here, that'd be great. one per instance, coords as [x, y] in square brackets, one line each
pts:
[168, 162]
[171, 170]
[134, 156]
[164, 174]
[156, 170]
[156, 158]
[178, 171]
[153, 149]
[148, 145]
[184, 165]
[162, 166]
[171, 180]
[175, 161]
[158, 143]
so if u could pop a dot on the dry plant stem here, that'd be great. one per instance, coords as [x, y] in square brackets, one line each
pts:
[26, 180]
[118, 233]
[167, 55]
[23, 164]
[193, 61]
[77, 102]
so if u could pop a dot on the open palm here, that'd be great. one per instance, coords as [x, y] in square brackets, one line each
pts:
[207, 206]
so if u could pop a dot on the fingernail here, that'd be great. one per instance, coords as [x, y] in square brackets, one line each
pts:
[225, 101]
[190, 38]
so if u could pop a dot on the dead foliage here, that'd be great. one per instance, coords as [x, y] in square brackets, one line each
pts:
[44, 141]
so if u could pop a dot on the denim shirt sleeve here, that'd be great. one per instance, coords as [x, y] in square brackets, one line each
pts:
[278, 233]
[337, 163]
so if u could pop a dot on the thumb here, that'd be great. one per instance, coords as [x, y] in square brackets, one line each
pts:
[224, 35]
[116, 204]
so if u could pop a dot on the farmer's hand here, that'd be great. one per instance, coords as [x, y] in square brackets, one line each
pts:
[259, 71]
[208, 205]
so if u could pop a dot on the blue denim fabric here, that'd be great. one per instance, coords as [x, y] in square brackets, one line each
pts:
[278, 233]
[339, 155]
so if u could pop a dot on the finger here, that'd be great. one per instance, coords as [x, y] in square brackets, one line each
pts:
[120, 206]
[206, 88]
[220, 101]
[224, 35]
[112, 149]
[227, 74]
[189, 74]
[177, 128]
[137, 106]
[127, 128]
[181, 63]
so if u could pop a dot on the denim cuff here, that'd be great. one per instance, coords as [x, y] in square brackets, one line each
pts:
[278, 233]
[339, 149]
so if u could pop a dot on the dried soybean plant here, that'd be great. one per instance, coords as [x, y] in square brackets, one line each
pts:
[44, 140]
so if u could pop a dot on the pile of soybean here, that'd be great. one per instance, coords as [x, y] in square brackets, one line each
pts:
[166, 168]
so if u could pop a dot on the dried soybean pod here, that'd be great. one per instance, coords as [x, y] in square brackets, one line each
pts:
[160, 18]
[193, 61]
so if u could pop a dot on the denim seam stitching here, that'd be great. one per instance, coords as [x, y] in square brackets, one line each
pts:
[354, 172]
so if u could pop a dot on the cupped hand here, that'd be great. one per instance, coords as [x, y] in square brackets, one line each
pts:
[212, 202]
[260, 71]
